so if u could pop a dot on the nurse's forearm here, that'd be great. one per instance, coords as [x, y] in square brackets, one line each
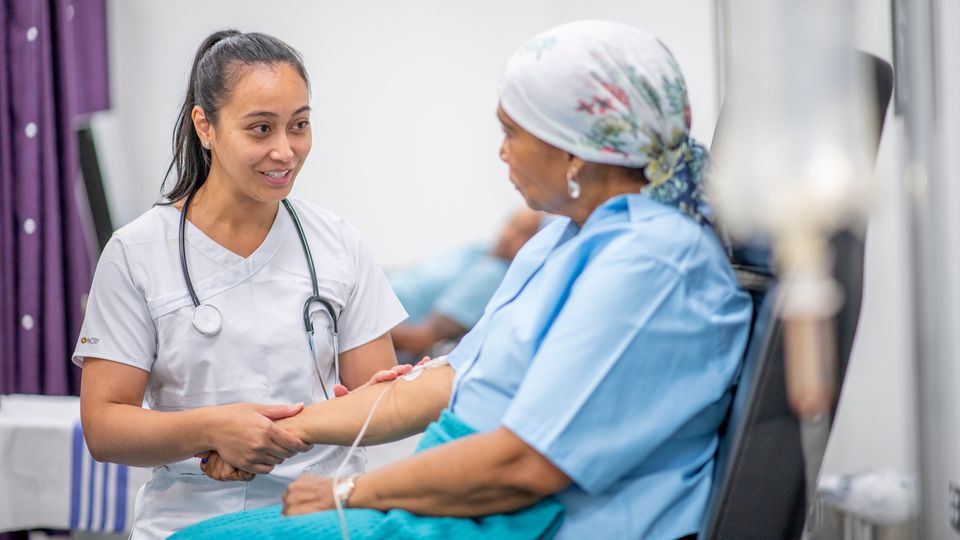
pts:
[118, 429]
[245, 434]
[131, 435]
[406, 409]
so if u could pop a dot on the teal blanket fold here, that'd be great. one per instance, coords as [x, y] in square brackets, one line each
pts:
[540, 521]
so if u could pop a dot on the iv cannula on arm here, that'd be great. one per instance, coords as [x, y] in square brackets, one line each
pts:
[405, 410]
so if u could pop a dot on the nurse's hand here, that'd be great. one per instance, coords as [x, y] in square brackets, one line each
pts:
[308, 494]
[246, 435]
[383, 375]
[215, 467]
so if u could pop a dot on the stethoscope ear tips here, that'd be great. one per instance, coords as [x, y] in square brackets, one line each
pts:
[207, 320]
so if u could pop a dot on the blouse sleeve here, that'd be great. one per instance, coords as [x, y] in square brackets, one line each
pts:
[631, 359]
[117, 325]
[372, 308]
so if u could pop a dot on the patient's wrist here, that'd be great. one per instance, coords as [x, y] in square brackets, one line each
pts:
[296, 426]
[363, 494]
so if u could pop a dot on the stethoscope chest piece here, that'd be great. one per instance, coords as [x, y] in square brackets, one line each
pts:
[207, 320]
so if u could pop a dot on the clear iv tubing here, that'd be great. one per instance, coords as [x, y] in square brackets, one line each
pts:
[341, 515]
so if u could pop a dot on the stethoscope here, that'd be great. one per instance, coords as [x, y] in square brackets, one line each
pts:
[208, 320]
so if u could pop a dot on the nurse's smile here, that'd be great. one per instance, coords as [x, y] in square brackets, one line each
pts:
[278, 178]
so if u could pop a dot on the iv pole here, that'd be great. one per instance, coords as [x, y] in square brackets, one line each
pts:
[929, 182]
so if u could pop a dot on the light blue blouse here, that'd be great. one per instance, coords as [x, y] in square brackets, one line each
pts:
[611, 350]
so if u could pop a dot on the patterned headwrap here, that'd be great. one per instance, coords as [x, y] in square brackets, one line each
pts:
[610, 93]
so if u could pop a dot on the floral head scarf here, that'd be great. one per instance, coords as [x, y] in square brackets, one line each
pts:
[613, 94]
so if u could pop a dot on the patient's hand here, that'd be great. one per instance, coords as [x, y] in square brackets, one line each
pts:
[215, 467]
[383, 375]
[308, 494]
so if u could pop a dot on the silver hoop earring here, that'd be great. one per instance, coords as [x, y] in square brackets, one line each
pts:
[573, 187]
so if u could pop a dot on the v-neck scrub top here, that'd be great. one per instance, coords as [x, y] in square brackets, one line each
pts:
[139, 313]
[611, 350]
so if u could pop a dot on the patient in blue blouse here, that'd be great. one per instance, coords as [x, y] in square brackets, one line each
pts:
[601, 370]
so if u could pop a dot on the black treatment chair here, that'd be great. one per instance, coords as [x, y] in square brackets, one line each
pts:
[760, 488]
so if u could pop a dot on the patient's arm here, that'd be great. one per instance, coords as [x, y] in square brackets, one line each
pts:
[473, 476]
[434, 389]
[476, 475]
[406, 409]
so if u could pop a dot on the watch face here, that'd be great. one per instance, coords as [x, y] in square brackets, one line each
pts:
[343, 489]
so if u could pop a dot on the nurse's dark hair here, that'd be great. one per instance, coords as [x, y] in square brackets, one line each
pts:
[218, 64]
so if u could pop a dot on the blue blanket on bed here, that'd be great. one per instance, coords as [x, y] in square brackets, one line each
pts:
[540, 521]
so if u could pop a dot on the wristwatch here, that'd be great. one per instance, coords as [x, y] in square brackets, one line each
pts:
[342, 489]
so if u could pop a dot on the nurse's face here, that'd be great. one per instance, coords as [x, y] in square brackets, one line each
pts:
[262, 135]
[537, 169]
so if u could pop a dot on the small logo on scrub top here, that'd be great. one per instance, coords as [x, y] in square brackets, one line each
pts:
[91, 340]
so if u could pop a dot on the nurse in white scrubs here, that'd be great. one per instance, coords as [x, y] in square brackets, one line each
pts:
[159, 389]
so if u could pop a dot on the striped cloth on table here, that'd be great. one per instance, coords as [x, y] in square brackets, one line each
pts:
[98, 491]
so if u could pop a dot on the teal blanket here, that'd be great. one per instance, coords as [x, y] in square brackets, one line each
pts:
[540, 521]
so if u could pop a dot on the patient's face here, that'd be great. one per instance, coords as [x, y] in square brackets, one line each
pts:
[537, 169]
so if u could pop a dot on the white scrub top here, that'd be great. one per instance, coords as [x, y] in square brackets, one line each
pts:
[139, 314]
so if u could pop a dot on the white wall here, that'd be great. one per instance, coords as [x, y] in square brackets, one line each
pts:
[404, 93]
[405, 142]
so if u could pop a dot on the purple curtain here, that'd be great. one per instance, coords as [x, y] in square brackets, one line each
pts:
[53, 69]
